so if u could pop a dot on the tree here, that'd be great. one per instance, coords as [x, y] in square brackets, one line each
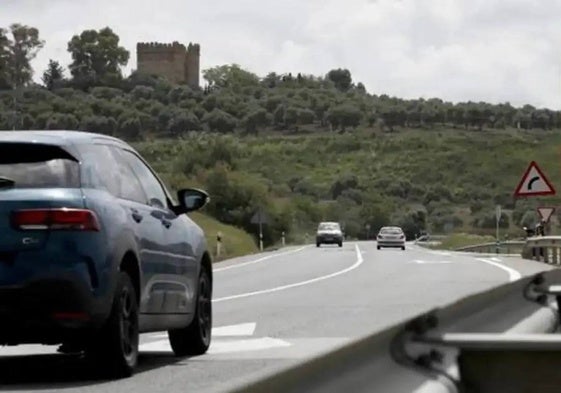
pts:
[97, 56]
[53, 75]
[341, 78]
[229, 76]
[16, 55]
[4, 59]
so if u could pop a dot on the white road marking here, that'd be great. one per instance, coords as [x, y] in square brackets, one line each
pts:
[419, 261]
[443, 253]
[297, 284]
[243, 329]
[240, 330]
[513, 275]
[224, 346]
[221, 269]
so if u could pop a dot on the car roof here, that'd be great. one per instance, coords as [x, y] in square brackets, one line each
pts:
[397, 228]
[57, 137]
[329, 222]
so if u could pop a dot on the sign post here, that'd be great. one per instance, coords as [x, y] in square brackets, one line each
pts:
[260, 218]
[498, 214]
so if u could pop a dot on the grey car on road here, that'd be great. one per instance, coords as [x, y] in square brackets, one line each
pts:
[329, 233]
[391, 236]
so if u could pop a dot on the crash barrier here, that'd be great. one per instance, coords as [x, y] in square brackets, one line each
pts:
[500, 340]
[544, 249]
[505, 247]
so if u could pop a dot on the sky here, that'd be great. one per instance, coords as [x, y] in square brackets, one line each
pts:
[458, 50]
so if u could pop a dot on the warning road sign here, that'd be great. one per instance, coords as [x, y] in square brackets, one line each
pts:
[534, 183]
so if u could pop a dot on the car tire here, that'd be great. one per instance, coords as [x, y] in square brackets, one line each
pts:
[318, 244]
[403, 248]
[378, 247]
[341, 244]
[196, 337]
[114, 350]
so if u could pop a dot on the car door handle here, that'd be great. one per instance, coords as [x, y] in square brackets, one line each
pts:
[136, 216]
[166, 223]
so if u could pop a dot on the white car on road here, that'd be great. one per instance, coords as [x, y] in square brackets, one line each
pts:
[391, 237]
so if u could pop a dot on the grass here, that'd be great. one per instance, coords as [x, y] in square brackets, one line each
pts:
[235, 242]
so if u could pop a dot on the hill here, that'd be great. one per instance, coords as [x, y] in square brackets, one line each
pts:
[440, 180]
[304, 148]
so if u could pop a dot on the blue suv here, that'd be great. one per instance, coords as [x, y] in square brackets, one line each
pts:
[94, 250]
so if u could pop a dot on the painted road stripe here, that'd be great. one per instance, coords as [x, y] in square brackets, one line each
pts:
[513, 275]
[280, 254]
[358, 262]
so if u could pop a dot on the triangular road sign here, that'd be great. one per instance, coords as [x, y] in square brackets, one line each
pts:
[534, 183]
[546, 213]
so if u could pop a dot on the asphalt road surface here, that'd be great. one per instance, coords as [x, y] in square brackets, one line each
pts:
[273, 309]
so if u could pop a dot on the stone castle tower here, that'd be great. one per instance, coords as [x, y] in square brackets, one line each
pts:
[173, 61]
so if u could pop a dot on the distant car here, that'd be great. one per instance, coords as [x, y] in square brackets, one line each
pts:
[94, 250]
[329, 233]
[391, 237]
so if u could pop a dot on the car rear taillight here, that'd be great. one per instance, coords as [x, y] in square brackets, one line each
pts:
[55, 219]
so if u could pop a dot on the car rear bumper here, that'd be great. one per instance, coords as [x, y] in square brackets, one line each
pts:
[391, 243]
[329, 239]
[48, 311]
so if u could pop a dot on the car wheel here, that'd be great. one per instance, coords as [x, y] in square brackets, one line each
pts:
[403, 248]
[195, 338]
[115, 348]
[378, 247]
[318, 244]
[340, 244]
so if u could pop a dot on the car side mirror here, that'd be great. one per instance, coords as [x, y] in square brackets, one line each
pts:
[191, 199]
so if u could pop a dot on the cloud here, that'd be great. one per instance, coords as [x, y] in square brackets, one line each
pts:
[459, 50]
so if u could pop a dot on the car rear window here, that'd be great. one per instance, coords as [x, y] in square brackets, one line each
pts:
[329, 227]
[391, 231]
[34, 165]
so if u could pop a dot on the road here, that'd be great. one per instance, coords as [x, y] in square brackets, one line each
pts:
[274, 309]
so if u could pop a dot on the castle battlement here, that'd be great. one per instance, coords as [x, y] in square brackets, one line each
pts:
[160, 46]
[174, 61]
[194, 48]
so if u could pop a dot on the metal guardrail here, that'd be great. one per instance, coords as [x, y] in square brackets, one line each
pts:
[506, 247]
[468, 346]
[544, 249]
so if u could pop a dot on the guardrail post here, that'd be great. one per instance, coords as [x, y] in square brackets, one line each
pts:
[554, 256]
[545, 253]
[283, 239]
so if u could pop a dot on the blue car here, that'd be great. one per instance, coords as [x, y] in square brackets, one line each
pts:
[94, 250]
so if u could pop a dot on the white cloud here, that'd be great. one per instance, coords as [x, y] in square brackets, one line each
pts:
[479, 50]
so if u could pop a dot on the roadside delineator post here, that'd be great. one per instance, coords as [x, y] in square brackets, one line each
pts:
[283, 239]
[218, 243]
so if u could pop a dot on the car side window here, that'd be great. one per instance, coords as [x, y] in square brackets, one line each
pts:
[151, 185]
[103, 169]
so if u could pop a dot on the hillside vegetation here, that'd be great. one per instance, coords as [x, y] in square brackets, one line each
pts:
[303, 148]
[235, 242]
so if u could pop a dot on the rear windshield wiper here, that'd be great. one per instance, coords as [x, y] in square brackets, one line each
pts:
[6, 182]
